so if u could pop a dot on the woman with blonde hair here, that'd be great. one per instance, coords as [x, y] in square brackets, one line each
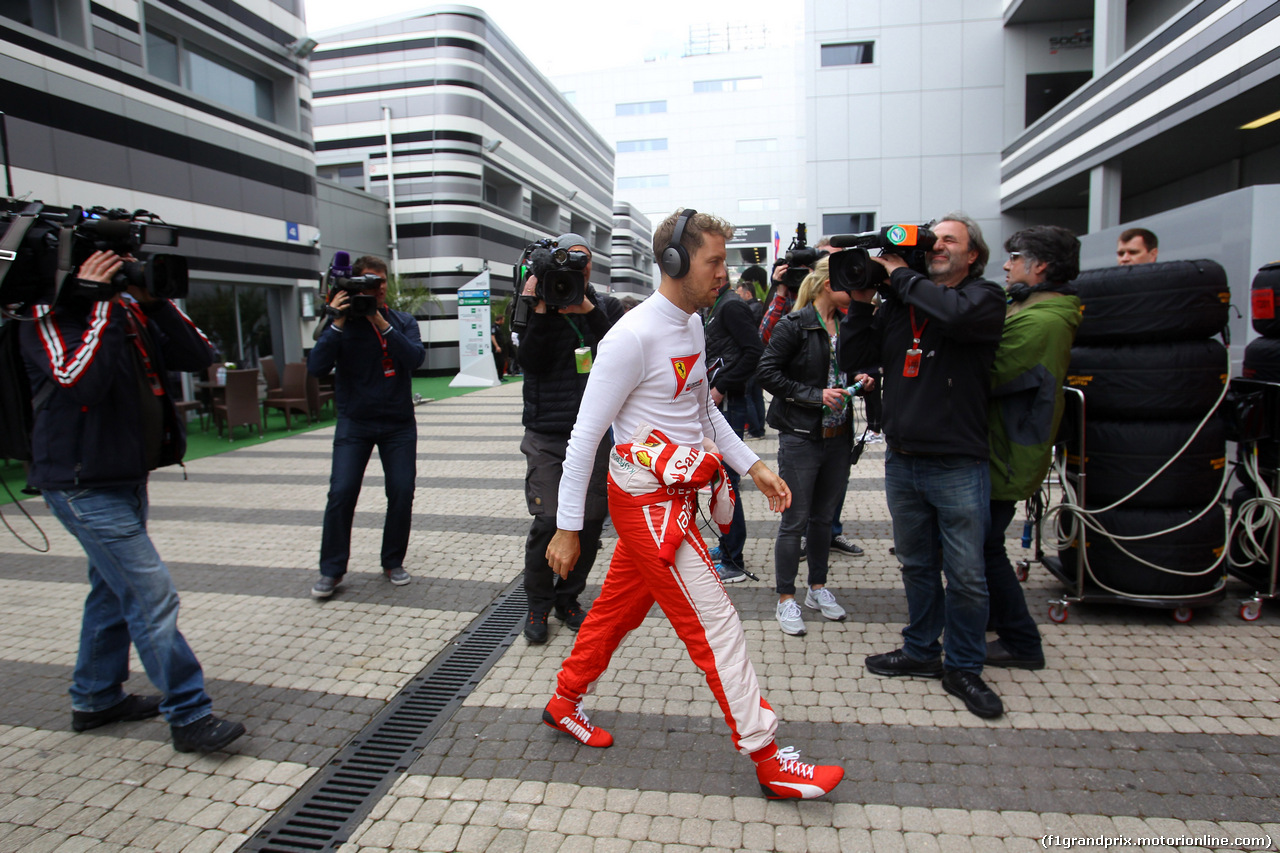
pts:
[813, 415]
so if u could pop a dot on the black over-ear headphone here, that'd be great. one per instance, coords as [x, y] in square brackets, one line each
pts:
[675, 258]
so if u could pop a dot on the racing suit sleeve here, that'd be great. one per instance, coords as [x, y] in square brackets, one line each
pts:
[617, 370]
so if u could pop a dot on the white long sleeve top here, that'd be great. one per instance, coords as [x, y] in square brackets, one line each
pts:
[650, 369]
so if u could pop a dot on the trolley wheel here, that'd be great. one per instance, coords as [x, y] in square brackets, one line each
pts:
[1182, 615]
[1021, 569]
[1057, 612]
[1250, 610]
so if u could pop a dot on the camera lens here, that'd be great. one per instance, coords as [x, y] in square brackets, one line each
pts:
[559, 256]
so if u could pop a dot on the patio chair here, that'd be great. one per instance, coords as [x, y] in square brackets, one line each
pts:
[317, 396]
[239, 406]
[294, 394]
[271, 375]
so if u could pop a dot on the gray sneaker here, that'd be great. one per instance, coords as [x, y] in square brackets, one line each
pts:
[790, 618]
[397, 576]
[728, 574]
[824, 600]
[325, 586]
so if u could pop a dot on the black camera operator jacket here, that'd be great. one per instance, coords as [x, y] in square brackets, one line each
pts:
[90, 434]
[794, 369]
[943, 410]
[552, 384]
[732, 335]
[358, 355]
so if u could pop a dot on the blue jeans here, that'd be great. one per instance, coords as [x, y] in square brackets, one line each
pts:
[940, 517]
[732, 543]
[353, 443]
[747, 408]
[131, 599]
[1010, 618]
[817, 472]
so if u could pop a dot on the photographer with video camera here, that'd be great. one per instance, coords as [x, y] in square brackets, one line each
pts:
[564, 321]
[373, 352]
[935, 337]
[96, 354]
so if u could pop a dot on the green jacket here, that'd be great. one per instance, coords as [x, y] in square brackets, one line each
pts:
[1026, 391]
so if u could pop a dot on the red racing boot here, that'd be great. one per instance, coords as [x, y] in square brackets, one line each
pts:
[783, 776]
[565, 716]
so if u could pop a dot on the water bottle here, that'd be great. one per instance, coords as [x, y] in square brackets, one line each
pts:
[222, 376]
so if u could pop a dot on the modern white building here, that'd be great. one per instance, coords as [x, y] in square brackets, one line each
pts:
[487, 155]
[719, 128]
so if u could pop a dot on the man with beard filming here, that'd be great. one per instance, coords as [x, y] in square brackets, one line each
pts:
[373, 352]
[563, 322]
[96, 360]
[935, 337]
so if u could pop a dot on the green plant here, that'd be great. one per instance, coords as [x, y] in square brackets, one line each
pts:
[404, 294]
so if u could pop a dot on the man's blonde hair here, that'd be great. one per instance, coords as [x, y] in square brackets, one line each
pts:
[698, 225]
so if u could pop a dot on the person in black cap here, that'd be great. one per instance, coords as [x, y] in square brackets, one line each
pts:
[554, 379]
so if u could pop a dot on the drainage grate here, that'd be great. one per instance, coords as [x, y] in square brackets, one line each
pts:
[325, 811]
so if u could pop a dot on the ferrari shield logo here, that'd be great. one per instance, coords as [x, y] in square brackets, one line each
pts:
[682, 367]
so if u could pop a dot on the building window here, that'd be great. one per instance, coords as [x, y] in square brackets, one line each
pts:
[755, 146]
[1046, 91]
[209, 75]
[735, 84]
[631, 146]
[501, 191]
[38, 14]
[571, 97]
[848, 53]
[847, 223]
[753, 205]
[347, 174]
[644, 182]
[641, 108]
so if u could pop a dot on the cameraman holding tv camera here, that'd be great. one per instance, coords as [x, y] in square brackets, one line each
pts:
[935, 336]
[561, 320]
[373, 352]
[96, 344]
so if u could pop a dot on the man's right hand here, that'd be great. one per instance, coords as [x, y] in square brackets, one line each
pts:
[339, 303]
[562, 553]
[100, 267]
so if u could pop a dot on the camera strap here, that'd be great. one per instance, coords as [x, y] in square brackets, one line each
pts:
[388, 366]
[12, 239]
[582, 341]
[135, 335]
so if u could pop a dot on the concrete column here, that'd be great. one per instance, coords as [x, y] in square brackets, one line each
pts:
[1104, 196]
[1108, 33]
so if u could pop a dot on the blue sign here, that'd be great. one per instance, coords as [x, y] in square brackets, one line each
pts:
[291, 231]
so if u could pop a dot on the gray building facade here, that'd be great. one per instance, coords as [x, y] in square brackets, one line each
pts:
[487, 155]
[633, 265]
[198, 111]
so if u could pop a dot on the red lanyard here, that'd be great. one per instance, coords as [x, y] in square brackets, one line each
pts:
[157, 387]
[911, 364]
[388, 366]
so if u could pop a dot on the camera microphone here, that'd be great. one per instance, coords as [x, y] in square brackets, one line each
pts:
[341, 266]
[845, 241]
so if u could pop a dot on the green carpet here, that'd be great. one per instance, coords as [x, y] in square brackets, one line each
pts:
[201, 444]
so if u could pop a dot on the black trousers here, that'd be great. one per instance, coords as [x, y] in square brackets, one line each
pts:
[543, 586]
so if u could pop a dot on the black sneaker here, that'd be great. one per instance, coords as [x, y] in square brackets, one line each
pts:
[845, 545]
[897, 662]
[535, 628]
[998, 655]
[128, 710]
[325, 586]
[571, 615]
[980, 699]
[207, 734]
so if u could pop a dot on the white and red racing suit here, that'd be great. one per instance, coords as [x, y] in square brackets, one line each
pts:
[651, 373]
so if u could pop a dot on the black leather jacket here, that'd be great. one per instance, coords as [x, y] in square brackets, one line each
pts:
[794, 370]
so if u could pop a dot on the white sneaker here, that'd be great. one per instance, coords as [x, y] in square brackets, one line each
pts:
[790, 618]
[875, 438]
[824, 600]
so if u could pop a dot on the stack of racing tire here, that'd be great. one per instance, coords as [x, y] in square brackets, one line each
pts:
[1151, 369]
[1261, 362]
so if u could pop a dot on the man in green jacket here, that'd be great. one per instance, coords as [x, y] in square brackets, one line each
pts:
[1026, 406]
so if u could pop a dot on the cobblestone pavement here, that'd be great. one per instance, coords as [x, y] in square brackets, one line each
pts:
[1138, 728]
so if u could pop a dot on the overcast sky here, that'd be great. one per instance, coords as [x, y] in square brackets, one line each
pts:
[575, 35]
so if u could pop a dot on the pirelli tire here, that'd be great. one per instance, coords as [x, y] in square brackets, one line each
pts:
[1120, 456]
[1262, 360]
[1150, 382]
[1191, 549]
[1265, 299]
[1152, 303]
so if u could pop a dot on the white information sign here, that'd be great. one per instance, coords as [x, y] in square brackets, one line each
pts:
[475, 348]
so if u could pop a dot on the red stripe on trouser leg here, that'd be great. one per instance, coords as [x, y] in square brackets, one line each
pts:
[695, 602]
